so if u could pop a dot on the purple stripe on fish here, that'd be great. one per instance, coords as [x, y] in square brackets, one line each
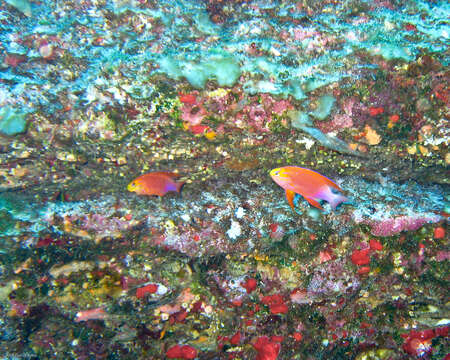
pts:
[170, 187]
[333, 198]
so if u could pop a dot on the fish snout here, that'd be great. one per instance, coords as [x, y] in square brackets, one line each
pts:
[274, 172]
[131, 187]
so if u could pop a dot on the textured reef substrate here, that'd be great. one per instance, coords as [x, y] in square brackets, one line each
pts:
[96, 93]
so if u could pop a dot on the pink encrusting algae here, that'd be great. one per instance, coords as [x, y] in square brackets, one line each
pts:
[392, 226]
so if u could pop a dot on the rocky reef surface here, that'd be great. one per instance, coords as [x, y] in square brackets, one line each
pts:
[95, 93]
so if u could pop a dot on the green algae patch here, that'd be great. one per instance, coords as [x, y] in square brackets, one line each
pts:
[12, 121]
[5, 290]
[324, 106]
[24, 6]
[7, 222]
[375, 354]
[222, 68]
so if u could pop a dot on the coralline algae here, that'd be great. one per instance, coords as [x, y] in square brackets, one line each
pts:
[392, 226]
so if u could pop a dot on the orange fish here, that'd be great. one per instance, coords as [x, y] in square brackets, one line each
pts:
[92, 314]
[308, 183]
[187, 98]
[155, 183]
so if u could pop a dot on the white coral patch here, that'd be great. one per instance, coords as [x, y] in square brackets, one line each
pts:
[240, 212]
[162, 290]
[235, 230]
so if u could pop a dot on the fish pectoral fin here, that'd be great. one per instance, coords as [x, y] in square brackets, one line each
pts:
[290, 197]
[313, 202]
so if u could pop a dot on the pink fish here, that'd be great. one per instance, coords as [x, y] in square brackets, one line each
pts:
[308, 183]
[155, 183]
[92, 314]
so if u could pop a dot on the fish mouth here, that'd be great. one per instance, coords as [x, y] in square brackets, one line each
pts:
[274, 172]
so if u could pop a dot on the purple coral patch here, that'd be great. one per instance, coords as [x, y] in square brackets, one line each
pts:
[393, 226]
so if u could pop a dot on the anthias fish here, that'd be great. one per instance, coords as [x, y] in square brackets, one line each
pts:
[308, 183]
[155, 183]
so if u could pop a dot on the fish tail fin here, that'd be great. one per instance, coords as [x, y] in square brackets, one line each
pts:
[179, 185]
[332, 197]
[336, 200]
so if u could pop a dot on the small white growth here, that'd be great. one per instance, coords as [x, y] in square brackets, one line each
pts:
[243, 29]
[4, 95]
[388, 26]
[351, 36]
[161, 290]
[185, 217]
[91, 94]
[255, 30]
[305, 141]
[235, 230]
[274, 52]
[118, 94]
[436, 141]
[266, 86]
[332, 133]
[240, 212]
[443, 322]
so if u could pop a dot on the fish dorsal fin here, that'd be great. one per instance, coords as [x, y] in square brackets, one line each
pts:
[166, 173]
[327, 181]
[332, 184]
[314, 203]
[290, 198]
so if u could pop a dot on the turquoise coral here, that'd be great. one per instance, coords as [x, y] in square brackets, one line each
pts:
[12, 121]
[23, 6]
